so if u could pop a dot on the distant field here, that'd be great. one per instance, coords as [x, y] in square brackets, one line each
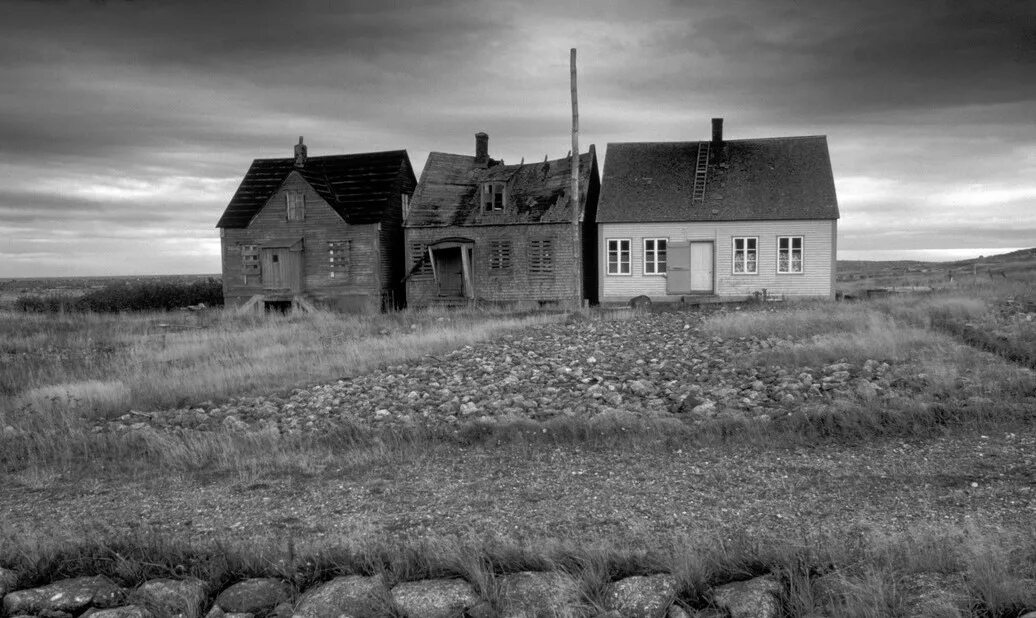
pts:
[855, 275]
[11, 289]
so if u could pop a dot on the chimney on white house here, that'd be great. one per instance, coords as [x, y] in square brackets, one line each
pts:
[300, 153]
[717, 130]
[481, 148]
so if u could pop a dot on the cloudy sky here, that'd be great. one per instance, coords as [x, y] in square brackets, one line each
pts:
[125, 127]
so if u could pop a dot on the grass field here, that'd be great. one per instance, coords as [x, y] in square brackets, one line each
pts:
[865, 497]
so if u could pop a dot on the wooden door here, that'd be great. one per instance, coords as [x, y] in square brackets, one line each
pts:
[449, 268]
[678, 267]
[275, 265]
[701, 267]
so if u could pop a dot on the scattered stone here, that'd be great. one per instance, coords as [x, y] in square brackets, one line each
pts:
[640, 302]
[69, 595]
[254, 596]
[641, 596]
[352, 595]
[172, 597]
[675, 611]
[434, 598]
[533, 593]
[755, 598]
[125, 611]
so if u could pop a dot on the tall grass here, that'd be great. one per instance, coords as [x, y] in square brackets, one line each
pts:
[57, 368]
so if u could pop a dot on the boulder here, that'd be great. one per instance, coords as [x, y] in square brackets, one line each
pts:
[641, 596]
[640, 302]
[539, 594]
[182, 598]
[68, 595]
[124, 611]
[755, 598]
[435, 598]
[254, 596]
[349, 596]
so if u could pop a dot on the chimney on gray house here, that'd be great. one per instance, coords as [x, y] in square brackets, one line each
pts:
[717, 130]
[300, 154]
[481, 148]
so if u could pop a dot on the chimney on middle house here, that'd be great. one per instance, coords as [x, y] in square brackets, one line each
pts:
[300, 154]
[481, 148]
[717, 130]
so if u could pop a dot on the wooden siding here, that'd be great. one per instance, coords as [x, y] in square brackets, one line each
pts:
[360, 291]
[816, 280]
[393, 264]
[510, 285]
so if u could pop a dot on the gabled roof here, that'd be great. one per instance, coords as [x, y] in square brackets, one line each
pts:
[748, 179]
[357, 186]
[448, 193]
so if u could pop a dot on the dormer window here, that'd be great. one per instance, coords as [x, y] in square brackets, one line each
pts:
[493, 197]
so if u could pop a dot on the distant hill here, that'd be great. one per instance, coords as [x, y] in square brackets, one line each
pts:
[896, 272]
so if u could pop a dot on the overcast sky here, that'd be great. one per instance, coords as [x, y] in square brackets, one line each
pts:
[125, 127]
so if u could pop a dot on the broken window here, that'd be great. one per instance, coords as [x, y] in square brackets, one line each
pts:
[339, 256]
[618, 256]
[655, 256]
[499, 254]
[541, 258]
[419, 255]
[296, 204]
[789, 254]
[493, 197]
[745, 255]
[250, 259]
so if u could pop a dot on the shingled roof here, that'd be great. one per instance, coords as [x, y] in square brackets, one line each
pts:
[448, 193]
[357, 186]
[748, 179]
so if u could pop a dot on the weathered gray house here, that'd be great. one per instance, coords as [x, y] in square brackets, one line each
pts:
[317, 231]
[480, 230]
[720, 218]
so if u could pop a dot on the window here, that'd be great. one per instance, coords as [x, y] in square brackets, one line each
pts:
[541, 258]
[339, 258]
[499, 254]
[655, 255]
[618, 256]
[789, 254]
[250, 259]
[493, 197]
[419, 259]
[296, 203]
[745, 254]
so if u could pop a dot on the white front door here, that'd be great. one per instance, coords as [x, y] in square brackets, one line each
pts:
[701, 267]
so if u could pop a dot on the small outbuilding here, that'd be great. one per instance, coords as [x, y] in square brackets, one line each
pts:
[717, 218]
[481, 231]
[325, 231]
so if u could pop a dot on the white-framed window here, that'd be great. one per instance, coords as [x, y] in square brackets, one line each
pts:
[655, 250]
[746, 255]
[500, 254]
[541, 258]
[789, 254]
[619, 256]
[250, 259]
[295, 201]
[339, 257]
[493, 197]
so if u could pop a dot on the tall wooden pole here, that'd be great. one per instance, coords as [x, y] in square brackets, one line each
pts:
[577, 246]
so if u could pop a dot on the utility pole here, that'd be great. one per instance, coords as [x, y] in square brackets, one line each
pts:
[577, 246]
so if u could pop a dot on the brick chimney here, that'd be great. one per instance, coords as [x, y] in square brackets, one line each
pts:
[717, 130]
[300, 154]
[481, 148]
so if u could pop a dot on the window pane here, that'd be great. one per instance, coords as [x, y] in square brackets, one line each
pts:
[796, 243]
[751, 243]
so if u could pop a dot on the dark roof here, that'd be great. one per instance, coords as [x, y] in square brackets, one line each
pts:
[357, 186]
[748, 179]
[448, 193]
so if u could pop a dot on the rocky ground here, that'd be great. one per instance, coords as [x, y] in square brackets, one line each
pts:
[652, 365]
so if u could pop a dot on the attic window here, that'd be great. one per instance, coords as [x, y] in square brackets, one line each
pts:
[541, 259]
[296, 205]
[339, 257]
[493, 197]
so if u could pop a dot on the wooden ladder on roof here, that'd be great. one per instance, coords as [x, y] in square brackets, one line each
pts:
[701, 170]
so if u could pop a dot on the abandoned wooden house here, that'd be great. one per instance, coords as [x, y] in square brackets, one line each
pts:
[722, 218]
[482, 231]
[317, 231]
